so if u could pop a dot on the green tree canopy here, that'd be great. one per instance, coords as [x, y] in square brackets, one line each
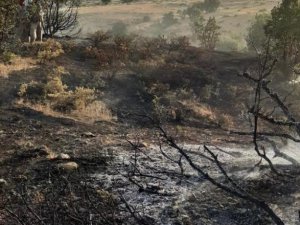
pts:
[207, 32]
[8, 13]
[210, 5]
[284, 28]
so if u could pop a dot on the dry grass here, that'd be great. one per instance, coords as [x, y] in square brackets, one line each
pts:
[200, 110]
[17, 64]
[234, 16]
[140, 7]
[226, 121]
[44, 108]
[204, 111]
[96, 111]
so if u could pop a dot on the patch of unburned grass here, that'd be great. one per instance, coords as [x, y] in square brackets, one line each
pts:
[17, 64]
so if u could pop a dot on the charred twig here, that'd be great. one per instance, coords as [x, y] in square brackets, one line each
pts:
[278, 153]
[223, 187]
[223, 171]
[263, 84]
[266, 134]
[15, 216]
[137, 217]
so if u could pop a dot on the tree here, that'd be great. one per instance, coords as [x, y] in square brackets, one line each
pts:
[256, 37]
[60, 15]
[210, 5]
[168, 20]
[264, 125]
[200, 7]
[197, 21]
[207, 33]
[284, 29]
[105, 2]
[210, 34]
[8, 13]
[119, 29]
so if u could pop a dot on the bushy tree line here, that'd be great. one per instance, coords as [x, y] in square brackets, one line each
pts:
[207, 6]
[284, 29]
[280, 28]
[59, 15]
[8, 13]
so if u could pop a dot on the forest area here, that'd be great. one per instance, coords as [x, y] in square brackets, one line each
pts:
[149, 112]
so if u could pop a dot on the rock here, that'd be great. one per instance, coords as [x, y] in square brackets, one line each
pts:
[63, 156]
[3, 182]
[36, 152]
[176, 115]
[88, 135]
[243, 211]
[141, 144]
[44, 150]
[82, 210]
[52, 155]
[186, 219]
[104, 194]
[67, 121]
[154, 186]
[68, 166]
[144, 145]
[21, 178]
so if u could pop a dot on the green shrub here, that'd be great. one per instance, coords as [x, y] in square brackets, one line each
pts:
[207, 92]
[33, 91]
[68, 45]
[8, 17]
[94, 80]
[227, 45]
[83, 97]
[156, 45]
[210, 5]
[105, 2]
[49, 50]
[256, 37]
[98, 38]
[8, 57]
[193, 11]
[55, 94]
[103, 57]
[168, 20]
[54, 87]
[179, 43]
[73, 100]
[123, 43]
[230, 43]
[146, 19]
[119, 29]
[127, 1]
[199, 7]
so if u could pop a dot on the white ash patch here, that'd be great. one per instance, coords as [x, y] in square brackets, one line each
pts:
[164, 177]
